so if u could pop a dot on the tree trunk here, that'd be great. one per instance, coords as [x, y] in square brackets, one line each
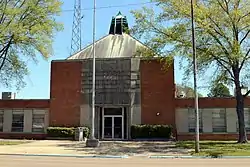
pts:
[240, 112]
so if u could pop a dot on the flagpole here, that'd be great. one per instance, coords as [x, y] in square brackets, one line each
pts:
[197, 138]
[93, 81]
[93, 142]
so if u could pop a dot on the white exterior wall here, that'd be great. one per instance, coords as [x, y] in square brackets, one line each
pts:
[28, 113]
[182, 120]
[207, 120]
[136, 114]
[27, 121]
[7, 120]
[85, 115]
[231, 120]
[46, 119]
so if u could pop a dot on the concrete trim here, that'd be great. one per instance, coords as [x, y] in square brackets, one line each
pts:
[85, 115]
[198, 157]
[207, 121]
[67, 60]
[136, 113]
[7, 120]
[231, 120]
[28, 121]
[181, 120]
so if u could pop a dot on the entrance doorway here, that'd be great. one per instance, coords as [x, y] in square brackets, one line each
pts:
[113, 123]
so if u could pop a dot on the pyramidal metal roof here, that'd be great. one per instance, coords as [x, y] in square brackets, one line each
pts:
[111, 46]
[117, 44]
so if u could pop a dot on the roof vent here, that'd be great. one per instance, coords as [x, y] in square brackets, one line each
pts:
[8, 95]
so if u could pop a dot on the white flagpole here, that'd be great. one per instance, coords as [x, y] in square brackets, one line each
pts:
[93, 82]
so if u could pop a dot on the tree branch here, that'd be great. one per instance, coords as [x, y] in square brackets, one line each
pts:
[243, 28]
[4, 55]
[5, 52]
[245, 95]
[243, 16]
[234, 28]
[219, 42]
[244, 59]
[225, 67]
[245, 36]
[221, 31]
[2, 50]
[220, 61]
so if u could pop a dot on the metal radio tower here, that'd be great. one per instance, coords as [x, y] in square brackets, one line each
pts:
[76, 40]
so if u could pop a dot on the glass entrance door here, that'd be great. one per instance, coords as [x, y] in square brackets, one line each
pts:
[113, 127]
[118, 127]
[108, 128]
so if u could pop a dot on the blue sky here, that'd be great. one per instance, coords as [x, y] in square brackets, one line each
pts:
[38, 82]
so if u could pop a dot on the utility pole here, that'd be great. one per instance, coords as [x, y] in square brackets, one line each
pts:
[197, 145]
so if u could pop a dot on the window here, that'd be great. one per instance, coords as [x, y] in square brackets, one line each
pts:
[219, 120]
[17, 121]
[247, 120]
[112, 111]
[192, 120]
[38, 122]
[1, 120]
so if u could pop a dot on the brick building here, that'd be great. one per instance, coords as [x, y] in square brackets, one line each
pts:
[129, 90]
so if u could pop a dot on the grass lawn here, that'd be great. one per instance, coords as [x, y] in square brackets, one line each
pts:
[217, 148]
[12, 142]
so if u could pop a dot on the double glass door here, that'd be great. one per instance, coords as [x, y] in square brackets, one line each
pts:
[113, 127]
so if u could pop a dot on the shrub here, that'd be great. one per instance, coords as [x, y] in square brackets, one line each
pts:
[65, 132]
[151, 131]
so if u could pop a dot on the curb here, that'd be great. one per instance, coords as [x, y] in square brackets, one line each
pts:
[66, 155]
[176, 156]
[199, 157]
[240, 157]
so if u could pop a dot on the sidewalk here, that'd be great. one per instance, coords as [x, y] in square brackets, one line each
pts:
[37, 147]
[106, 148]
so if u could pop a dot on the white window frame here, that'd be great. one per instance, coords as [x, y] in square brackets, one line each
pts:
[192, 121]
[113, 117]
[38, 126]
[1, 119]
[219, 123]
[21, 128]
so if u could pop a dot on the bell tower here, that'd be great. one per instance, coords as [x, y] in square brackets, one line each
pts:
[119, 25]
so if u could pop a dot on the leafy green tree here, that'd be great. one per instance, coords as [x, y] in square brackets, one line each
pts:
[222, 30]
[219, 90]
[27, 28]
[187, 90]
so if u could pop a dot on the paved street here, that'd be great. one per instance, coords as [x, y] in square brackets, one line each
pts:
[14, 161]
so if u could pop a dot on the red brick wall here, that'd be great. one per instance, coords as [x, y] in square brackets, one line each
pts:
[24, 103]
[23, 136]
[207, 102]
[209, 136]
[65, 93]
[157, 93]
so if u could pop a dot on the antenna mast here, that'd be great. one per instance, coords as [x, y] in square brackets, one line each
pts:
[76, 40]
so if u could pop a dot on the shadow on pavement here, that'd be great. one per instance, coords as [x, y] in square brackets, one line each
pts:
[128, 148]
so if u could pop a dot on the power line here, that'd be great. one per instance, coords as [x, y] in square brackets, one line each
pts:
[112, 6]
